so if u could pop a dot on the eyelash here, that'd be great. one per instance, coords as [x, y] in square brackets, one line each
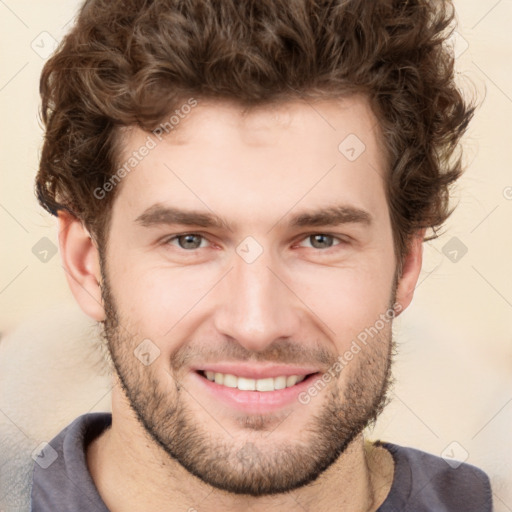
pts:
[167, 241]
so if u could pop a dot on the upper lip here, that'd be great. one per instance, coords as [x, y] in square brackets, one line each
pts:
[257, 372]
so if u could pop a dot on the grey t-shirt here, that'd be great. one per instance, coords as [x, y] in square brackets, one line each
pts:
[422, 482]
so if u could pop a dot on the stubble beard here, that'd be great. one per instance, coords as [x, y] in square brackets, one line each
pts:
[256, 467]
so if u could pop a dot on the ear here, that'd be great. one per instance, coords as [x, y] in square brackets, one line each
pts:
[411, 269]
[81, 262]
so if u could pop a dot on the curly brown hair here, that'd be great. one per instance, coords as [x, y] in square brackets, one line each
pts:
[132, 62]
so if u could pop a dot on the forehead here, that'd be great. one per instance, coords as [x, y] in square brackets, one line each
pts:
[263, 125]
[259, 162]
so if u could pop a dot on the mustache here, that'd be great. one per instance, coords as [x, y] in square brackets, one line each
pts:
[280, 351]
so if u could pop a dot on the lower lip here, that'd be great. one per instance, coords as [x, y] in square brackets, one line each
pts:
[255, 401]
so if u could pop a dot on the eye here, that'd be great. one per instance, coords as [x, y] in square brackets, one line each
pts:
[187, 241]
[322, 241]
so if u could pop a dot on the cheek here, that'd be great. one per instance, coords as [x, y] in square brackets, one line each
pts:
[347, 301]
[159, 301]
[153, 301]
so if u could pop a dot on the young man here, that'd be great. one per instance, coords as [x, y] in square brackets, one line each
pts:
[243, 189]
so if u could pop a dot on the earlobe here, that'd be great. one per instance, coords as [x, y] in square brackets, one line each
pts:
[80, 259]
[411, 269]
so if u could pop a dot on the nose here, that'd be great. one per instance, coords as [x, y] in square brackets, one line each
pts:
[256, 306]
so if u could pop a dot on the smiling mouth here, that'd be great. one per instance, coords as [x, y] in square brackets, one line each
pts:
[246, 384]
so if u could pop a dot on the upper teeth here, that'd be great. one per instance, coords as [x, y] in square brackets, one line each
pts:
[268, 384]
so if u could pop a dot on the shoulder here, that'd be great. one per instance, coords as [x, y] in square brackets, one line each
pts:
[425, 482]
[60, 476]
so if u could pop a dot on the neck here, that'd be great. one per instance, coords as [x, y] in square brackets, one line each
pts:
[132, 473]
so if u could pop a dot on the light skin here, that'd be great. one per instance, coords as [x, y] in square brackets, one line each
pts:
[297, 306]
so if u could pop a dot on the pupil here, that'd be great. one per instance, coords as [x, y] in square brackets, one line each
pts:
[321, 240]
[190, 241]
[194, 241]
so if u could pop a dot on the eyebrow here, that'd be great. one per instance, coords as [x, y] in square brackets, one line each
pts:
[332, 216]
[159, 214]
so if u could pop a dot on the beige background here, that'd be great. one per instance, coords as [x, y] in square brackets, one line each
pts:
[454, 369]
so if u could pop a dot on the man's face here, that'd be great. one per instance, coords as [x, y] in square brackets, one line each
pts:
[266, 294]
